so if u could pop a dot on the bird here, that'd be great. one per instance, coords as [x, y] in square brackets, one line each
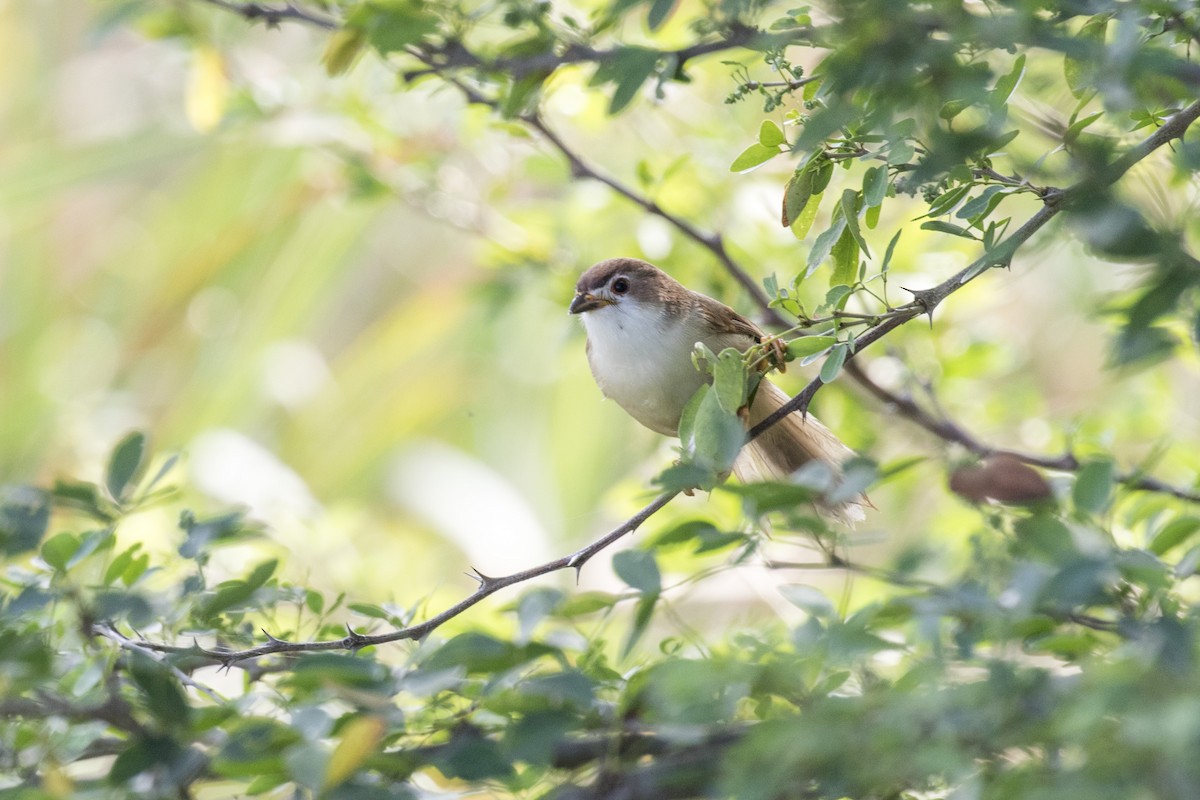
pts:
[642, 326]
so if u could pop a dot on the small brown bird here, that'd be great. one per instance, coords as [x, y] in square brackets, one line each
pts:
[642, 326]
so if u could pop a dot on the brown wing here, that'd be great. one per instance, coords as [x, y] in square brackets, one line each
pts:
[724, 320]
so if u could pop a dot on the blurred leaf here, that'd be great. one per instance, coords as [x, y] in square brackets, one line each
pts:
[807, 598]
[58, 549]
[254, 746]
[1094, 486]
[469, 756]
[577, 605]
[1173, 534]
[24, 517]
[659, 11]
[1007, 84]
[875, 184]
[390, 27]
[358, 739]
[639, 569]
[126, 464]
[208, 90]
[343, 50]
[628, 68]
[164, 698]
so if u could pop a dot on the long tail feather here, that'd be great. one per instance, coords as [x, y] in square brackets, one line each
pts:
[790, 444]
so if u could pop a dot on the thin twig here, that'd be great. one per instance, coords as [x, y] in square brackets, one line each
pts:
[109, 632]
[948, 430]
[273, 15]
[487, 586]
[926, 300]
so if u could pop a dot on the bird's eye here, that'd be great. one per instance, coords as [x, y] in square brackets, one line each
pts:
[620, 286]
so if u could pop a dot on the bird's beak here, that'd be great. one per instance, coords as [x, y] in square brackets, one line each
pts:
[587, 302]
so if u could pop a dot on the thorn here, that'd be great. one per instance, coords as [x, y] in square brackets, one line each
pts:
[271, 638]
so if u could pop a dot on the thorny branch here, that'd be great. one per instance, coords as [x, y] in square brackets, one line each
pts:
[924, 302]
[948, 430]
[488, 585]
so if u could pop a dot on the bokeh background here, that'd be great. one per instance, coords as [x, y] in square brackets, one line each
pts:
[343, 302]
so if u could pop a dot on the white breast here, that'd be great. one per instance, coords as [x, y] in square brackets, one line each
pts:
[642, 360]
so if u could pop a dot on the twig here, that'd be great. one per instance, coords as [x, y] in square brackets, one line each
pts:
[109, 632]
[273, 15]
[487, 586]
[926, 300]
[948, 430]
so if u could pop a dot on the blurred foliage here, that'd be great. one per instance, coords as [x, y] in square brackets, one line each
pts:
[327, 261]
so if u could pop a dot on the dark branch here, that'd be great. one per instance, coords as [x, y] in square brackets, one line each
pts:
[487, 586]
[274, 15]
[948, 430]
[926, 300]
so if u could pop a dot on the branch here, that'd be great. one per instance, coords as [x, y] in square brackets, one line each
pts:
[274, 15]
[109, 632]
[487, 586]
[948, 430]
[114, 711]
[926, 300]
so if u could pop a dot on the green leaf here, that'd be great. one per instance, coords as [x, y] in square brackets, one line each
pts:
[845, 259]
[952, 108]
[121, 563]
[823, 246]
[872, 217]
[125, 465]
[1076, 70]
[946, 227]
[262, 573]
[982, 205]
[392, 26]
[875, 184]
[164, 698]
[807, 598]
[1007, 84]
[577, 605]
[641, 620]
[628, 68]
[770, 135]
[659, 11]
[639, 569]
[1094, 486]
[714, 436]
[810, 345]
[24, 518]
[803, 224]
[822, 172]
[729, 380]
[850, 212]
[342, 50]
[753, 156]
[58, 549]
[795, 197]
[1078, 127]
[833, 363]
[887, 254]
